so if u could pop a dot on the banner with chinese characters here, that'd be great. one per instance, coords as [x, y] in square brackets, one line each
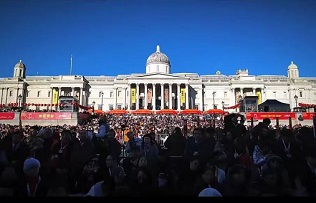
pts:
[182, 96]
[55, 96]
[133, 95]
[7, 115]
[308, 115]
[45, 115]
[270, 115]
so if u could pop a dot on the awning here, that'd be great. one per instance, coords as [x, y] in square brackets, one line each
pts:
[191, 111]
[117, 111]
[167, 111]
[214, 111]
[142, 111]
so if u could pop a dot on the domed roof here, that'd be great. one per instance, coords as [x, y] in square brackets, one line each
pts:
[20, 65]
[158, 57]
[292, 66]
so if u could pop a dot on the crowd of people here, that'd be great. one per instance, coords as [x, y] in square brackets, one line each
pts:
[121, 155]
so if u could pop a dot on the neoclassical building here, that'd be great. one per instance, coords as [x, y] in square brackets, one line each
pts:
[157, 88]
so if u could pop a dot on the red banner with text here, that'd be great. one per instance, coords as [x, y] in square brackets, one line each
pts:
[308, 116]
[7, 115]
[270, 115]
[45, 115]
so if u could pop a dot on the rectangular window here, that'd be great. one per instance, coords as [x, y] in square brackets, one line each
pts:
[10, 93]
[119, 106]
[100, 94]
[301, 94]
[38, 93]
[99, 107]
[48, 94]
[110, 106]
[119, 93]
[111, 94]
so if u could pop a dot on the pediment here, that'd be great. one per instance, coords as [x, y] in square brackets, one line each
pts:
[158, 75]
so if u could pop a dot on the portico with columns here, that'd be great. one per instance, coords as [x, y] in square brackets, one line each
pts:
[157, 95]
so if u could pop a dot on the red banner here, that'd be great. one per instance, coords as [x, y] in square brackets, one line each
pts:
[271, 115]
[7, 115]
[308, 116]
[45, 115]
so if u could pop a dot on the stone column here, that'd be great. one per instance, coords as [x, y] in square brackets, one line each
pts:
[17, 94]
[115, 98]
[137, 96]
[145, 97]
[201, 107]
[1, 95]
[130, 97]
[73, 91]
[170, 96]
[81, 95]
[162, 96]
[6, 96]
[179, 97]
[154, 97]
[187, 96]
[124, 106]
[51, 98]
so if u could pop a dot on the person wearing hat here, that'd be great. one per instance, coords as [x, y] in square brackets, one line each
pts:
[32, 185]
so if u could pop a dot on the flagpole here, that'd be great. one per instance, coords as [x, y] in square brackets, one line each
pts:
[70, 64]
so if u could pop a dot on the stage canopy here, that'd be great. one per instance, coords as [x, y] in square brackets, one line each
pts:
[273, 105]
[191, 111]
[167, 111]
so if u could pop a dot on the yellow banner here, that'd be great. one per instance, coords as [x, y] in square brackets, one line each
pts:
[182, 97]
[55, 96]
[259, 98]
[133, 95]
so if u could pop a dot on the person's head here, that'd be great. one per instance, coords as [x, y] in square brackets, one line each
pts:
[208, 174]
[111, 134]
[111, 161]
[234, 119]
[194, 163]
[177, 131]
[16, 137]
[266, 122]
[197, 134]
[31, 167]
[66, 136]
[237, 174]
[83, 136]
[147, 139]
[142, 162]
[130, 135]
[144, 176]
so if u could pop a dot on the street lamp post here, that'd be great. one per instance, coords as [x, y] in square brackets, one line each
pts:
[213, 99]
[223, 108]
[102, 100]
[19, 99]
[296, 98]
[93, 103]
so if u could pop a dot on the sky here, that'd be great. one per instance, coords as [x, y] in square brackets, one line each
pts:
[115, 37]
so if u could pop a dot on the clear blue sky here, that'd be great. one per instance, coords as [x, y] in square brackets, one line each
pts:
[111, 37]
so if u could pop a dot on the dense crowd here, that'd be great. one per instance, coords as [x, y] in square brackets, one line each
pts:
[120, 155]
